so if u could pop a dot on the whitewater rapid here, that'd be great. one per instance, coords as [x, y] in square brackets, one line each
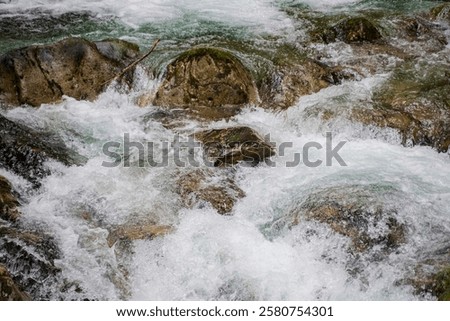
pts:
[238, 257]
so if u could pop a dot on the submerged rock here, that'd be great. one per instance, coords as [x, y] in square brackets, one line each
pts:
[209, 82]
[24, 151]
[416, 102]
[9, 291]
[421, 33]
[74, 67]
[229, 146]
[8, 201]
[141, 232]
[355, 212]
[353, 30]
[36, 24]
[205, 186]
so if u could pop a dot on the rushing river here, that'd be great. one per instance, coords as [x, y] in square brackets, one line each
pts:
[244, 256]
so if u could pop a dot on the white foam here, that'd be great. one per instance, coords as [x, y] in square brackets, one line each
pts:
[260, 15]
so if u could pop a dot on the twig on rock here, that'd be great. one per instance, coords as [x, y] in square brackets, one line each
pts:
[133, 64]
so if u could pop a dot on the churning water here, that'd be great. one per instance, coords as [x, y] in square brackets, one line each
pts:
[245, 255]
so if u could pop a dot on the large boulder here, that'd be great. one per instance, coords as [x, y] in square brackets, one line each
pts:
[208, 82]
[8, 201]
[229, 146]
[9, 291]
[74, 67]
[24, 151]
[201, 187]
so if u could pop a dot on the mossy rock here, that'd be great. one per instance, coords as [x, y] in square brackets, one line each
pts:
[209, 82]
[441, 285]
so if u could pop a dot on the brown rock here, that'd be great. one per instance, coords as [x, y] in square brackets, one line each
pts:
[290, 75]
[230, 146]
[31, 256]
[427, 35]
[74, 67]
[9, 291]
[141, 232]
[353, 30]
[209, 82]
[8, 201]
[291, 81]
[202, 186]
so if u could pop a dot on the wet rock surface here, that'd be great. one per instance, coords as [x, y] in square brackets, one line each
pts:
[291, 79]
[24, 151]
[355, 212]
[415, 101]
[140, 232]
[229, 146]
[214, 187]
[9, 291]
[74, 67]
[431, 276]
[8, 201]
[353, 30]
[29, 257]
[441, 12]
[209, 82]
